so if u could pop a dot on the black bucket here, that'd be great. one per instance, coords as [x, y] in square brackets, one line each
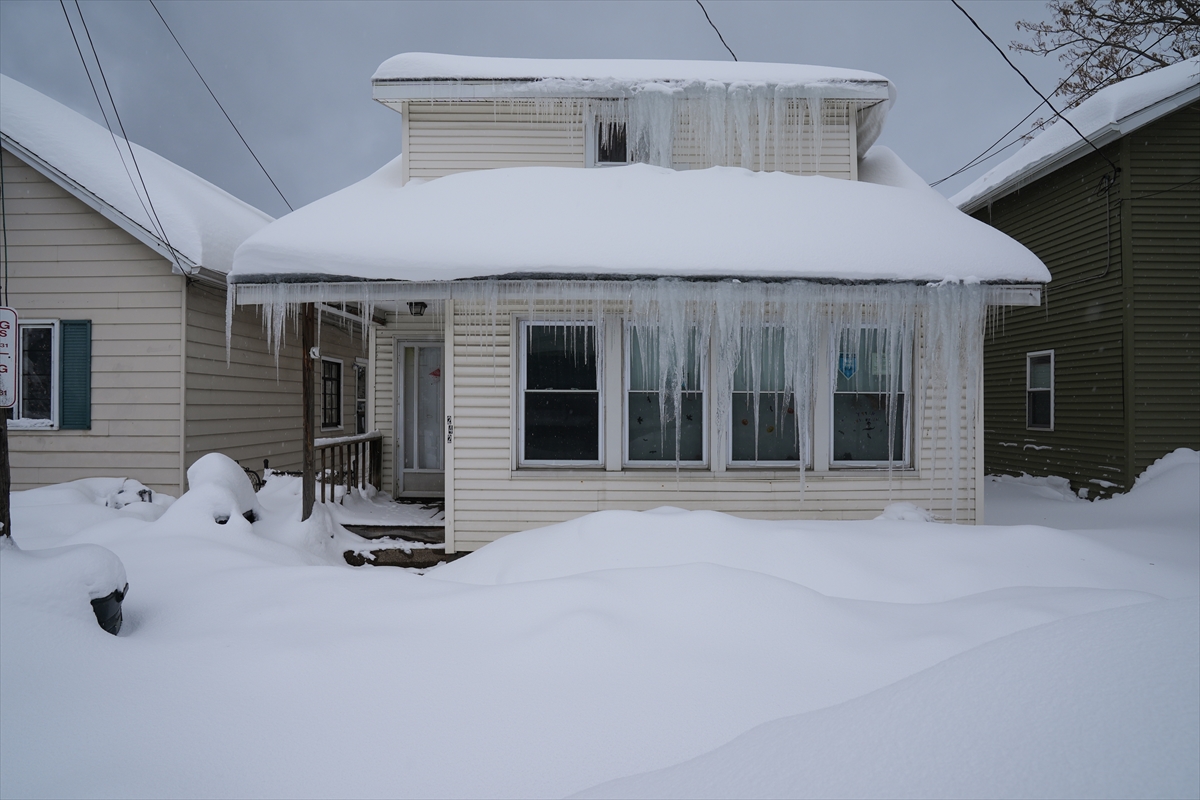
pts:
[108, 610]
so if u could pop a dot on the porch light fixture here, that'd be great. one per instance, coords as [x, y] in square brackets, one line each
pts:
[417, 308]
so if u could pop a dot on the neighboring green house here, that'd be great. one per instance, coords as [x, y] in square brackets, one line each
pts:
[1104, 378]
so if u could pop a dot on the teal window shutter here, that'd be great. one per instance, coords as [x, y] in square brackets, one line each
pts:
[75, 394]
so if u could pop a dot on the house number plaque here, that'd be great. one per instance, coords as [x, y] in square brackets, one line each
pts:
[449, 430]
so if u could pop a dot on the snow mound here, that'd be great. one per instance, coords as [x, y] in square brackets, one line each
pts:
[217, 482]
[1105, 704]
[906, 512]
[717, 222]
[882, 166]
[1181, 458]
[59, 581]
[203, 222]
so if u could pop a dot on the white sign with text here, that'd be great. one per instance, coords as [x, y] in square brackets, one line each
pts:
[8, 357]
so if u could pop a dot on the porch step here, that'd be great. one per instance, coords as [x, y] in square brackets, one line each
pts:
[425, 534]
[419, 558]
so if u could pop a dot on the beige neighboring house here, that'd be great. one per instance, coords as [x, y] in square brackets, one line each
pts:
[122, 305]
[630, 284]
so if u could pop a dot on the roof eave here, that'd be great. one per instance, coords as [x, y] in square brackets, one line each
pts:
[1105, 136]
[392, 91]
[180, 263]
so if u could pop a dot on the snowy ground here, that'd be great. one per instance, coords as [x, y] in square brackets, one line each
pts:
[663, 653]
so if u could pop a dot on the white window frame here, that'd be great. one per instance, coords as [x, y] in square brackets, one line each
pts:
[626, 461]
[21, 423]
[598, 338]
[341, 394]
[806, 461]
[906, 389]
[591, 142]
[1028, 369]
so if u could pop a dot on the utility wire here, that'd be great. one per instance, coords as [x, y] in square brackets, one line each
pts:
[987, 155]
[1029, 83]
[223, 111]
[133, 157]
[714, 27]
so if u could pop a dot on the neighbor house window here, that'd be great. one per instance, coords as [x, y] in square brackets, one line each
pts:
[611, 143]
[1039, 390]
[870, 400]
[657, 429]
[560, 414]
[54, 381]
[331, 393]
[763, 415]
[360, 398]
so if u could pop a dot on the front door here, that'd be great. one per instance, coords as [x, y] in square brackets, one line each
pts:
[420, 404]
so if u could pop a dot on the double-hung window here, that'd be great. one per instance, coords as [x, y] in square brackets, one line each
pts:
[331, 393]
[54, 380]
[560, 404]
[1039, 390]
[763, 414]
[870, 400]
[664, 405]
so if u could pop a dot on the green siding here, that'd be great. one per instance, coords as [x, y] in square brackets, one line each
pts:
[1145, 252]
[1164, 210]
[1075, 231]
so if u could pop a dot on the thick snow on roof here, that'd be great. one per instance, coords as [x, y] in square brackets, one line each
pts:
[438, 66]
[203, 222]
[636, 220]
[1114, 108]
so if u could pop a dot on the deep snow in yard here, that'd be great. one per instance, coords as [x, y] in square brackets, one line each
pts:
[660, 653]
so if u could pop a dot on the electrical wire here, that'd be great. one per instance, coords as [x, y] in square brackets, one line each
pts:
[1029, 83]
[223, 111]
[714, 27]
[152, 213]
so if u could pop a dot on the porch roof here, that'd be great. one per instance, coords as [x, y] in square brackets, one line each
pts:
[634, 221]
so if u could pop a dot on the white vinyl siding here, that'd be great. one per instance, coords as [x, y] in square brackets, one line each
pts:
[492, 497]
[444, 138]
[68, 262]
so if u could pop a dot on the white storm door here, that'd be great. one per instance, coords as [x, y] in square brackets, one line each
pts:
[420, 405]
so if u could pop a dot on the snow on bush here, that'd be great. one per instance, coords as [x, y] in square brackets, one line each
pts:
[906, 512]
[217, 483]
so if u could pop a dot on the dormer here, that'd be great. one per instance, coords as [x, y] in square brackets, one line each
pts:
[463, 113]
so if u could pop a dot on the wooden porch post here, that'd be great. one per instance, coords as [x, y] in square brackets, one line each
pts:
[308, 342]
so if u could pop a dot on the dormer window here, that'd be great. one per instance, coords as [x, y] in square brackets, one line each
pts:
[611, 143]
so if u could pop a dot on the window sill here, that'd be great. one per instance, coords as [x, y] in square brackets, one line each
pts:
[31, 425]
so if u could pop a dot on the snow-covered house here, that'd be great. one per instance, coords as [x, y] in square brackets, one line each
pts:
[121, 305]
[765, 316]
[1106, 377]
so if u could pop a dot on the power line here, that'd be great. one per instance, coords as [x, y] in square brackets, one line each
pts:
[1029, 83]
[223, 111]
[984, 156]
[151, 212]
[714, 27]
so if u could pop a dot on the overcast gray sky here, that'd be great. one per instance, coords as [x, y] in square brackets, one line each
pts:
[295, 76]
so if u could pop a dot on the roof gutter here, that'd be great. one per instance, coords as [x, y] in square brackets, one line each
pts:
[1106, 135]
[180, 263]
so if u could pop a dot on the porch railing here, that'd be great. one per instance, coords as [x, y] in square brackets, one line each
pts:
[349, 462]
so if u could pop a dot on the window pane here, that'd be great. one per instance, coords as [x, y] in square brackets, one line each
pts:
[610, 143]
[37, 363]
[644, 362]
[1039, 372]
[651, 440]
[331, 404]
[860, 428]
[774, 437]
[769, 366]
[562, 426]
[560, 357]
[868, 368]
[1039, 409]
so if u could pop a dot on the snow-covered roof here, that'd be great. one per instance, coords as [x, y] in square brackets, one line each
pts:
[636, 220]
[1109, 114]
[202, 222]
[439, 66]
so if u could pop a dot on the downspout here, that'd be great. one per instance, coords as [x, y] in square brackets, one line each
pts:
[183, 351]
